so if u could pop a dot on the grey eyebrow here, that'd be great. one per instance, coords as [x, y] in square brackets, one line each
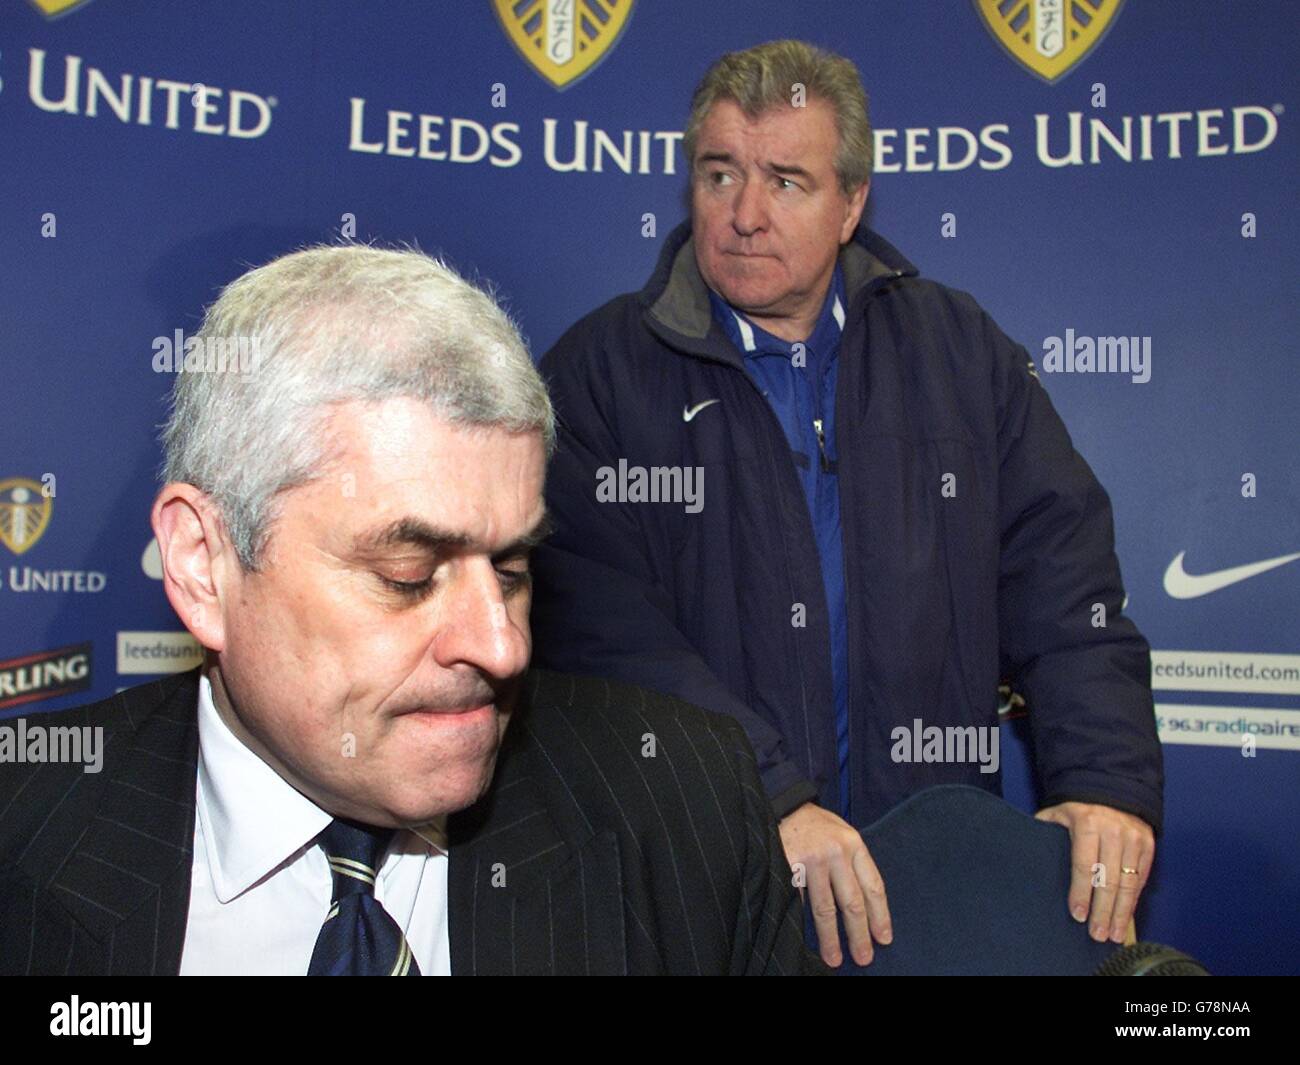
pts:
[784, 168]
[410, 531]
[416, 532]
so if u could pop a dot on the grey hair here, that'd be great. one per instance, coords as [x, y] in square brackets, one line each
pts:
[326, 325]
[761, 78]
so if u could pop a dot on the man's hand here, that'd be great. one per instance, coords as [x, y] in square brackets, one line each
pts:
[1123, 845]
[839, 875]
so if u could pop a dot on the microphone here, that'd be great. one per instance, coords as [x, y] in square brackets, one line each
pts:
[1151, 959]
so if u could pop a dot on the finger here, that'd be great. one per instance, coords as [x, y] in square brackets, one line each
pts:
[853, 907]
[1147, 860]
[1084, 852]
[1125, 896]
[1132, 878]
[1103, 897]
[873, 888]
[823, 911]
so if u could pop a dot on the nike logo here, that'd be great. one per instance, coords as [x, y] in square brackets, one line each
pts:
[1183, 585]
[690, 412]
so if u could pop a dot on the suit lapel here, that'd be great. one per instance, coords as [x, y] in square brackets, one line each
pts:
[525, 895]
[127, 879]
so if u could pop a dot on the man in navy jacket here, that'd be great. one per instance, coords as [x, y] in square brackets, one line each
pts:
[801, 485]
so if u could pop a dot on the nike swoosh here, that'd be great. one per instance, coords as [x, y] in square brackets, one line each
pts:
[690, 412]
[1183, 585]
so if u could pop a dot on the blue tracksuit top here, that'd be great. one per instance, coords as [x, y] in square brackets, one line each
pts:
[802, 395]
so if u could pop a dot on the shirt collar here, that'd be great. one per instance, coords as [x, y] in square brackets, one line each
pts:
[253, 819]
[753, 339]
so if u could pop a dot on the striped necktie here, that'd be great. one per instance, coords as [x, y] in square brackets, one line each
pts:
[359, 937]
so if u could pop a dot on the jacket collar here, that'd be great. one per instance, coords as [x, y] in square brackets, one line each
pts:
[755, 341]
[676, 299]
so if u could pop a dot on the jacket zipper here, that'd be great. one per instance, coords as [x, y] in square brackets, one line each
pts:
[821, 444]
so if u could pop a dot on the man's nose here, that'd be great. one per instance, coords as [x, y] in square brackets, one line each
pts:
[750, 214]
[476, 626]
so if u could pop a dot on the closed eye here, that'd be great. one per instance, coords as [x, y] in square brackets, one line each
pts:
[408, 589]
[513, 580]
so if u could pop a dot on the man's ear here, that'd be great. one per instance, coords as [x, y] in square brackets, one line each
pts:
[854, 205]
[196, 556]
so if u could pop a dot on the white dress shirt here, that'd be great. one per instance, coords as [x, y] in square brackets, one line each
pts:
[261, 887]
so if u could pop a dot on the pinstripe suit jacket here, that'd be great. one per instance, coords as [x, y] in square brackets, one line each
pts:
[613, 862]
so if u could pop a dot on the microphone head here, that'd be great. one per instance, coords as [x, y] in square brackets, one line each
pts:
[1151, 959]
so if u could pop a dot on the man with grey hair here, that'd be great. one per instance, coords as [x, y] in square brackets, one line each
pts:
[894, 520]
[345, 528]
